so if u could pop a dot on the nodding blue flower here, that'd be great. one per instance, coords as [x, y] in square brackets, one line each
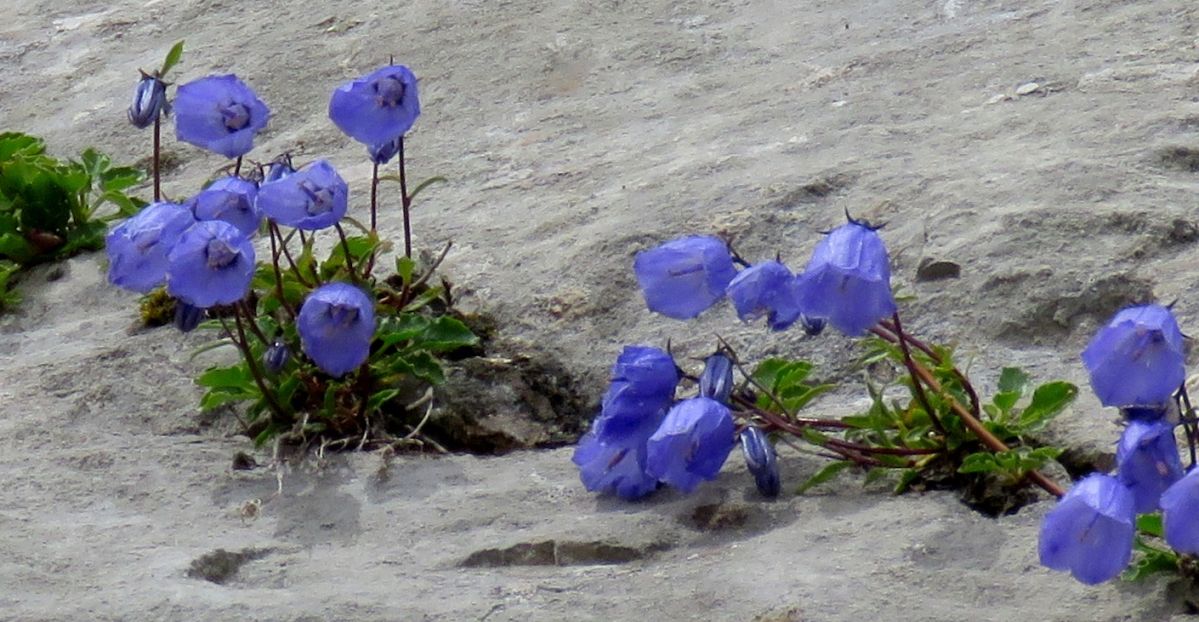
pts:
[1090, 531]
[382, 153]
[643, 385]
[211, 264]
[149, 101]
[1180, 506]
[312, 198]
[337, 324]
[813, 326]
[616, 467]
[187, 317]
[691, 444]
[716, 381]
[378, 107]
[769, 289]
[220, 114]
[848, 279]
[276, 356]
[279, 168]
[1137, 359]
[230, 199]
[683, 277]
[137, 248]
[761, 460]
[1148, 462]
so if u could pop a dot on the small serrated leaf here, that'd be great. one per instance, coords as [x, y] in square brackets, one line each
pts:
[825, 474]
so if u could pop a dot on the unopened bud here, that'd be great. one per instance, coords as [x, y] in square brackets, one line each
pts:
[812, 325]
[149, 98]
[761, 461]
[717, 380]
[187, 317]
[276, 356]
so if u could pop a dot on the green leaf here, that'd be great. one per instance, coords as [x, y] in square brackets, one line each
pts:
[233, 376]
[378, 398]
[172, 59]
[424, 184]
[445, 334]
[828, 472]
[1150, 524]
[405, 267]
[1151, 561]
[1013, 380]
[13, 143]
[15, 247]
[1048, 401]
[979, 462]
[906, 478]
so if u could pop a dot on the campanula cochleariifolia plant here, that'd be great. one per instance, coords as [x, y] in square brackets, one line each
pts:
[328, 349]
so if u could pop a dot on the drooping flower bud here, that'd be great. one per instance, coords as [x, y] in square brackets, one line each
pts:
[716, 381]
[1148, 462]
[149, 101]
[382, 153]
[1137, 359]
[761, 460]
[276, 356]
[682, 278]
[187, 317]
[1090, 531]
[280, 168]
[813, 326]
[769, 289]
[848, 279]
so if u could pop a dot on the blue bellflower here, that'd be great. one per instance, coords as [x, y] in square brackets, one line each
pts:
[377, 108]
[137, 248]
[691, 444]
[230, 199]
[211, 264]
[337, 325]
[149, 101]
[617, 467]
[1148, 462]
[716, 381]
[1090, 531]
[769, 289]
[848, 280]
[1180, 507]
[220, 114]
[643, 384]
[1137, 359]
[313, 198]
[683, 277]
[761, 460]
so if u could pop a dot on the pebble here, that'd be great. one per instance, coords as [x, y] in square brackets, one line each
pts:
[1028, 88]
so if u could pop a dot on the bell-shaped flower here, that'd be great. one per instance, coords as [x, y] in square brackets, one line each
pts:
[1180, 508]
[312, 198]
[1137, 358]
[337, 324]
[716, 381]
[220, 114]
[149, 101]
[683, 277]
[769, 289]
[692, 443]
[616, 467]
[211, 264]
[382, 153]
[137, 248]
[1090, 531]
[377, 108]
[1148, 462]
[848, 279]
[761, 460]
[230, 199]
[643, 384]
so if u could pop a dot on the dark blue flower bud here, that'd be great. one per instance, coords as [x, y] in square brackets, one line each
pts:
[812, 325]
[281, 168]
[761, 461]
[382, 153]
[717, 380]
[187, 317]
[149, 99]
[276, 356]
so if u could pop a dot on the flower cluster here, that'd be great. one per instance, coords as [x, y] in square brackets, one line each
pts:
[202, 248]
[1136, 363]
[847, 282]
[644, 436]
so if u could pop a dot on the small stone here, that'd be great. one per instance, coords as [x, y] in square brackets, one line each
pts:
[1028, 88]
[936, 270]
[995, 99]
